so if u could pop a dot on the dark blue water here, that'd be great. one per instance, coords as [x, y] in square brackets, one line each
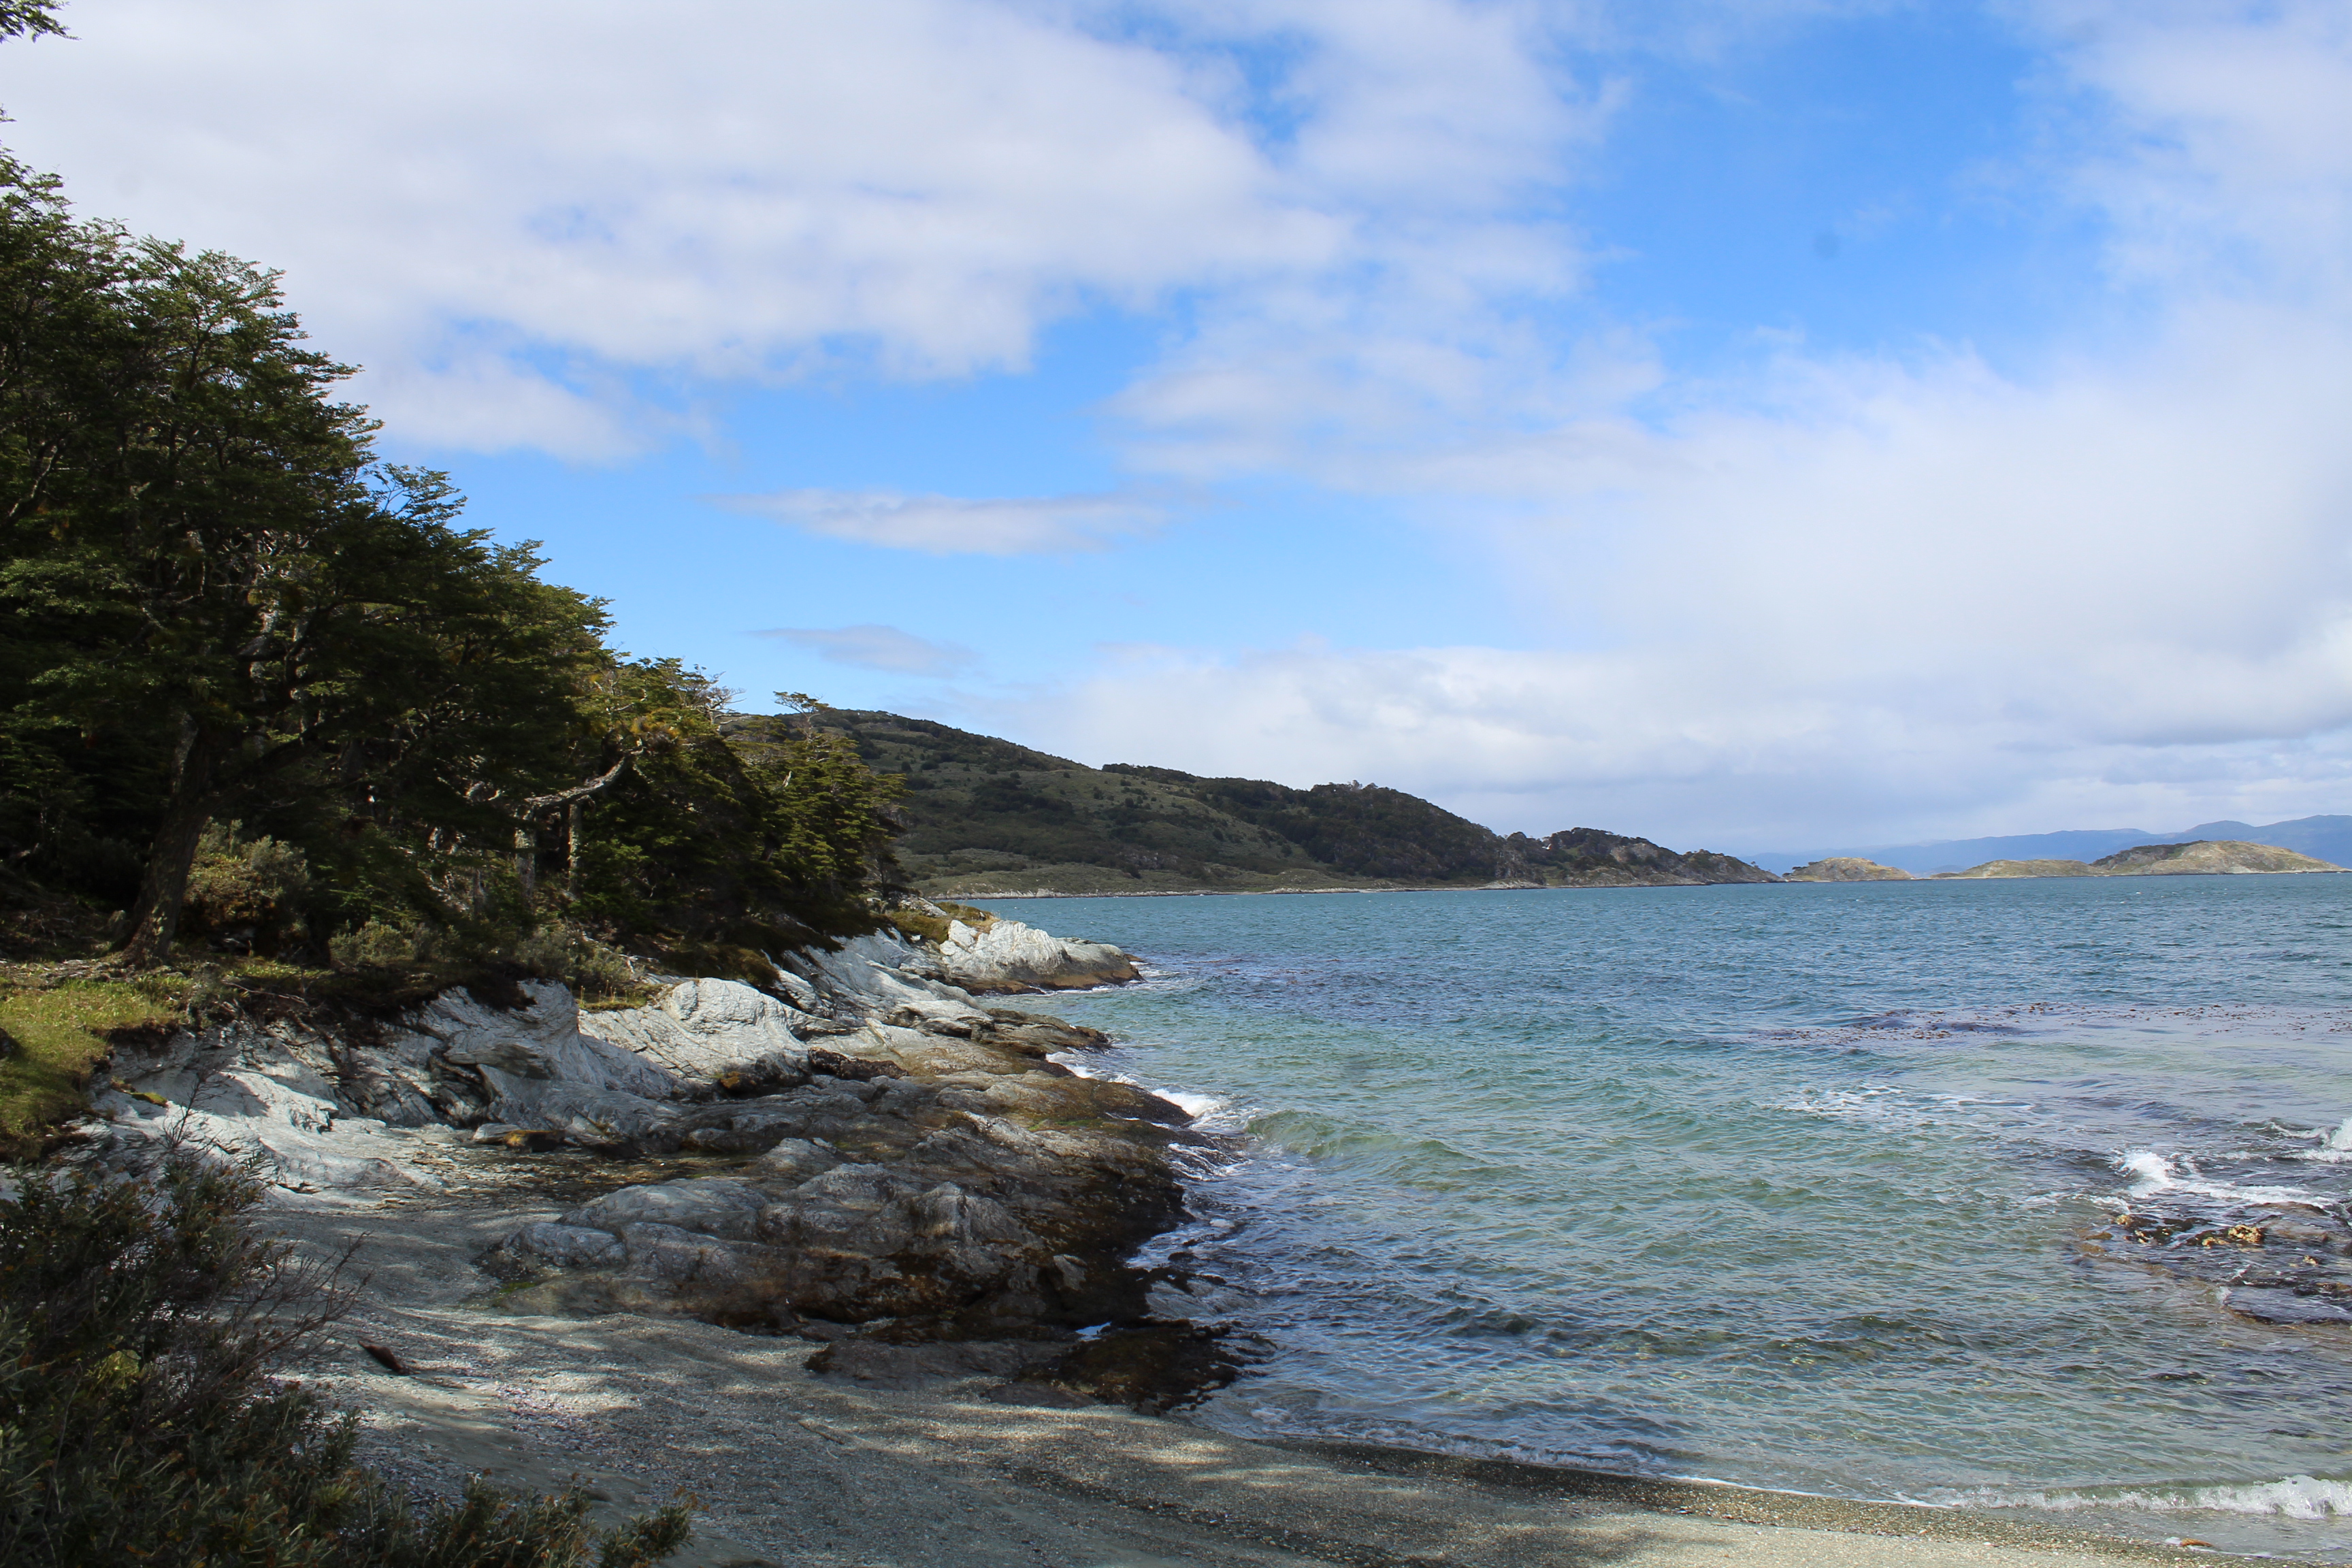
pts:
[1916, 1190]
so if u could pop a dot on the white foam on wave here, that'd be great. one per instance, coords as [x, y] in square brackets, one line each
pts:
[2152, 1172]
[1196, 1106]
[2334, 1145]
[2295, 1496]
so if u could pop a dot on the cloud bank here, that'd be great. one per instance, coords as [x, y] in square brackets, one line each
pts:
[523, 218]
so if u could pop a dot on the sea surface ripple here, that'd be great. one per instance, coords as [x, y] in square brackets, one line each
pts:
[1919, 1191]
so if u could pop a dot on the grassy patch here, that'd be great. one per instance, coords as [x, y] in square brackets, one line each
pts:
[634, 996]
[56, 1023]
[58, 1032]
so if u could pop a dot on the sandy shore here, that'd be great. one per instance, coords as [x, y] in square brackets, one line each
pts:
[796, 1468]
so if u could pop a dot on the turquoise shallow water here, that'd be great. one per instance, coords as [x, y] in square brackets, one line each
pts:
[1798, 1187]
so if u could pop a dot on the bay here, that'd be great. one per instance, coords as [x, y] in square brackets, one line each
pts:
[1827, 1187]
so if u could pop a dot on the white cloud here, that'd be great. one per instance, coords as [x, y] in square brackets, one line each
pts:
[958, 525]
[521, 215]
[1922, 596]
[1851, 598]
[885, 648]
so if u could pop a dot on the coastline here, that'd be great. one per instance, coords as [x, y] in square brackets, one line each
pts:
[806, 1450]
[1940, 877]
[791, 1467]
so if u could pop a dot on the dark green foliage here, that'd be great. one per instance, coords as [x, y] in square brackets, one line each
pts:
[139, 1423]
[976, 806]
[21, 18]
[217, 606]
[1590, 857]
[967, 792]
[1363, 830]
[733, 836]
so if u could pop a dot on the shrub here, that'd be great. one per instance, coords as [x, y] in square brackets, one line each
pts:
[247, 888]
[379, 944]
[139, 1421]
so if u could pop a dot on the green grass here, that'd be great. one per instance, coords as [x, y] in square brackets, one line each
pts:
[59, 1025]
[59, 1029]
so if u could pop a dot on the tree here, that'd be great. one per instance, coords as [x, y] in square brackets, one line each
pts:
[203, 551]
[217, 606]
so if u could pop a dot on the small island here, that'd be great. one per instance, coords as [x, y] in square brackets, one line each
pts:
[1847, 869]
[2200, 858]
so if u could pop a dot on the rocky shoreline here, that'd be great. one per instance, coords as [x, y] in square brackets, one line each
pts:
[862, 1154]
[847, 1259]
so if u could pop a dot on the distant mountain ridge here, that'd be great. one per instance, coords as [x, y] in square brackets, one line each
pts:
[986, 817]
[2326, 839]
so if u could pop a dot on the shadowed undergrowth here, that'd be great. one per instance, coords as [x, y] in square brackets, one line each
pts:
[140, 1422]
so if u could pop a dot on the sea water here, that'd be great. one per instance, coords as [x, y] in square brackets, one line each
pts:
[1826, 1188]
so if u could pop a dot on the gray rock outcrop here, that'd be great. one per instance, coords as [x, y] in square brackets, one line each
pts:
[872, 1144]
[1005, 956]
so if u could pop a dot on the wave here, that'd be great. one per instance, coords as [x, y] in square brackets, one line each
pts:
[2153, 1173]
[2334, 1145]
[1210, 1113]
[2295, 1496]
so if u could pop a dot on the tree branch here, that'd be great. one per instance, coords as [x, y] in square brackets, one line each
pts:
[532, 805]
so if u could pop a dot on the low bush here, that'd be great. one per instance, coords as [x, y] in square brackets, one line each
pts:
[246, 894]
[140, 1421]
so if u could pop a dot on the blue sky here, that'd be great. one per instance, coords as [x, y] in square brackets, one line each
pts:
[1756, 423]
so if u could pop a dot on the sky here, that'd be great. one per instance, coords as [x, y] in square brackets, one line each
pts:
[1758, 424]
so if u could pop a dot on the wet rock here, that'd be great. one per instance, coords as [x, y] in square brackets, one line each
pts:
[1154, 1367]
[953, 1220]
[878, 1364]
[1035, 1033]
[2286, 1307]
[766, 1075]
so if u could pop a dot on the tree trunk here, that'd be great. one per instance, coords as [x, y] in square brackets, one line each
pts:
[572, 856]
[526, 860]
[163, 885]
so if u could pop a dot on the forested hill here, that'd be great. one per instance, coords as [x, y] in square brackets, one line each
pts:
[986, 816]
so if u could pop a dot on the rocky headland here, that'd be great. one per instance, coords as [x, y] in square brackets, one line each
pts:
[2200, 858]
[987, 819]
[862, 1154]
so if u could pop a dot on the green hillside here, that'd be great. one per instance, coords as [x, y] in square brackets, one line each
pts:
[986, 816]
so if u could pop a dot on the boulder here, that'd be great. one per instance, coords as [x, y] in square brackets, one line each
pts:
[1005, 956]
[701, 1031]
